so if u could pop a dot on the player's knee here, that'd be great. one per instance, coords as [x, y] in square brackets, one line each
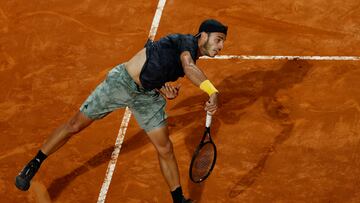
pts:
[73, 127]
[166, 151]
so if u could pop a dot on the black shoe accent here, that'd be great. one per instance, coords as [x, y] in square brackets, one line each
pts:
[22, 181]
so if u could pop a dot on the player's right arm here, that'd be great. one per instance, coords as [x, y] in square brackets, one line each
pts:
[198, 78]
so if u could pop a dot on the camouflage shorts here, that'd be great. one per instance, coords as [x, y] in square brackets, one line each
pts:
[119, 90]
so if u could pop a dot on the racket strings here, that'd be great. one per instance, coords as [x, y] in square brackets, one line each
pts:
[203, 162]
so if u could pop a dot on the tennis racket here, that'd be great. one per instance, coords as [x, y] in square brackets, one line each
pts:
[204, 157]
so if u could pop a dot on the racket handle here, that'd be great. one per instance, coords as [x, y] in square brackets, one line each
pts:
[208, 119]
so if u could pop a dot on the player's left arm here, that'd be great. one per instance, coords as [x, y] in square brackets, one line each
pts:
[169, 91]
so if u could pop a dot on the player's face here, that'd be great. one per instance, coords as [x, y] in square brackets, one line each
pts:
[214, 43]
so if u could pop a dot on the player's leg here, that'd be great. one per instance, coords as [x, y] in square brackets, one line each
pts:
[149, 111]
[62, 134]
[168, 164]
[57, 139]
[164, 147]
[108, 96]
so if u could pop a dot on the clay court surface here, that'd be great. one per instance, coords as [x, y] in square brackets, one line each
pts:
[287, 131]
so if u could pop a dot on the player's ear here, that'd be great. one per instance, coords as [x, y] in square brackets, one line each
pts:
[204, 36]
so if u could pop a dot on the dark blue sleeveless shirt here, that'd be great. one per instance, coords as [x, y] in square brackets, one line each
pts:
[163, 62]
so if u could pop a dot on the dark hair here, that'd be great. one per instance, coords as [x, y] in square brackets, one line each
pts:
[212, 25]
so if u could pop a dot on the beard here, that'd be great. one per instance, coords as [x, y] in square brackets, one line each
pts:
[207, 47]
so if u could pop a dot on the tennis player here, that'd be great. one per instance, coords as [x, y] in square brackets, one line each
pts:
[141, 84]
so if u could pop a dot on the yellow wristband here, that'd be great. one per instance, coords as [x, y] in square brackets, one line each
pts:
[207, 87]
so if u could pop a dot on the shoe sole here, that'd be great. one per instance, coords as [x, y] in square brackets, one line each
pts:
[21, 183]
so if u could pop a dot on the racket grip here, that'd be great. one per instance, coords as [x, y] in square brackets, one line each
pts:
[208, 119]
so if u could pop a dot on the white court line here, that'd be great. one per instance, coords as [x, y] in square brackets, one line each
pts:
[120, 138]
[319, 58]
[111, 167]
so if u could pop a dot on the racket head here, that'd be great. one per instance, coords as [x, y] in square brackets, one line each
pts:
[202, 162]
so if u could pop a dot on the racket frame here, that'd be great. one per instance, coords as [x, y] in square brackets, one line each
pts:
[202, 143]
